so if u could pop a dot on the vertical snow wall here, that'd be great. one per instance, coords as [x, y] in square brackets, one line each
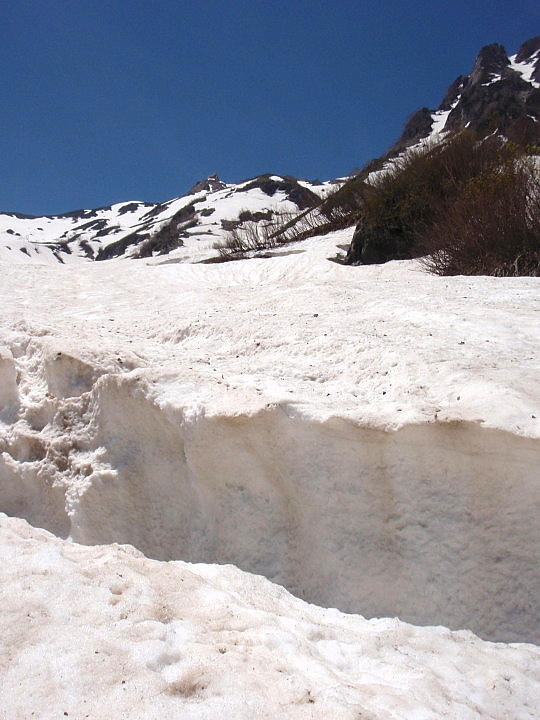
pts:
[435, 523]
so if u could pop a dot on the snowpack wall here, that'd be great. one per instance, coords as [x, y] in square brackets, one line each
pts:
[436, 523]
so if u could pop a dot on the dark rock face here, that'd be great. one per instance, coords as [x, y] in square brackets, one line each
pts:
[367, 249]
[492, 60]
[490, 107]
[374, 243]
[211, 184]
[453, 93]
[528, 50]
[493, 97]
[417, 126]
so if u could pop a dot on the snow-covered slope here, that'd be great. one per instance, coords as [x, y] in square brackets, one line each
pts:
[368, 437]
[106, 633]
[187, 226]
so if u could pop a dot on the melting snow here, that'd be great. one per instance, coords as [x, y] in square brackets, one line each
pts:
[368, 437]
[526, 69]
[105, 633]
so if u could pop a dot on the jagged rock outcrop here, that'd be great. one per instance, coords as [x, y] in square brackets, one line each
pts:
[530, 50]
[501, 93]
[211, 184]
[417, 126]
[500, 96]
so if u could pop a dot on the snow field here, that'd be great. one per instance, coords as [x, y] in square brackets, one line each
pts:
[68, 238]
[366, 436]
[105, 632]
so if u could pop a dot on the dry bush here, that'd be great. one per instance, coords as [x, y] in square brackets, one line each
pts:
[248, 236]
[417, 191]
[295, 227]
[492, 227]
[283, 228]
[336, 211]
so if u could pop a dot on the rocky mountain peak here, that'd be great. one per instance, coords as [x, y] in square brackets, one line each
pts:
[500, 94]
[210, 184]
[529, 50]
[492, 60]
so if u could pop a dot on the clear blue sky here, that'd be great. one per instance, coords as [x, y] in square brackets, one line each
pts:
[107, 101]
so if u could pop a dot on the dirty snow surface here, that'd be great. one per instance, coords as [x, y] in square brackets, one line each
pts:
[366, 438]
[104, 632]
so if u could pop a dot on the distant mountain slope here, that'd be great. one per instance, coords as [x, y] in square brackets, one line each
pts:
[500, 97]
[141, 229]
[501, 93]
[447, 167]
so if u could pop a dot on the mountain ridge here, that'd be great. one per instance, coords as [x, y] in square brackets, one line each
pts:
[140, 229]
[501, 94]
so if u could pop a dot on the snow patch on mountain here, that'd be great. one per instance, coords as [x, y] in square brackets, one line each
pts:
[183, 227]
[526, 68]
